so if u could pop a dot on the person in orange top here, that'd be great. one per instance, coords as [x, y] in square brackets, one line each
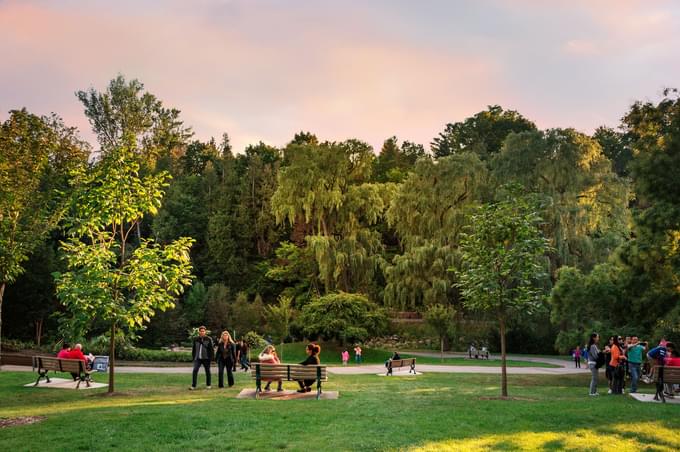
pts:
[618, 362]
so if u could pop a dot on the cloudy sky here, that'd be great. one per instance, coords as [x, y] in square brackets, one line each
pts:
[262, 70]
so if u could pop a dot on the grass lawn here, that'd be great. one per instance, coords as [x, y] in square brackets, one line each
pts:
[427, 412]
[330, 354]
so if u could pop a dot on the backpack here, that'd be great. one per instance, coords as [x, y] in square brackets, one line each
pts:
[599, 362]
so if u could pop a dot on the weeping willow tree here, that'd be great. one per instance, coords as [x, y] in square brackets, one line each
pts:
[428, 213]
[325, 188]
[585, 208]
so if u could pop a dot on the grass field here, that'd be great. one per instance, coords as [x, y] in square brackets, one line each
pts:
[428, 412]
[330, 354]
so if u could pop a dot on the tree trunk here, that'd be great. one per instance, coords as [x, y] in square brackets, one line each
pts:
[38, 330]
[281, 351]
[441, 348]
[112, 357]
[2, 294]
[504, 374]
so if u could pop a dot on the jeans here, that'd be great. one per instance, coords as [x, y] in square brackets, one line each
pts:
[617, 382]
[220, 373]
[594, 371]
[634, 369]
[197, 365]
[358, 359]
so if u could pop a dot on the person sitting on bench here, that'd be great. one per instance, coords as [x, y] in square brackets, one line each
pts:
[312, 351]
[269, 356]
[76, 353]
[394, 357]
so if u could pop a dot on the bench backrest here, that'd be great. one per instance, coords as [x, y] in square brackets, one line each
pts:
[670, 374]
[403, 362]
[59, 364]
[288, 371]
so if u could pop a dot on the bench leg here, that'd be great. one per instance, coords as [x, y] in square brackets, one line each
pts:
[318, 389]
[258, 388]
[42, 375]
[413, 369]
[389, 371]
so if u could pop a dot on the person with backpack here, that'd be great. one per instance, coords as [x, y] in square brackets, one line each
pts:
[595, 361]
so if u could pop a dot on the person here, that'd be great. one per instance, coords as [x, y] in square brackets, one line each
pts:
[269, 356]
[593, 353]
[345, 357]
[617, 363]
[659, 354]
[608, 372]
[357, 354]
[225, 357]
[312, 351]
[65, 348]
[634, 354]
[202, 355]
[76, 353]
[237, 350]
[577, 357]
[245, 348]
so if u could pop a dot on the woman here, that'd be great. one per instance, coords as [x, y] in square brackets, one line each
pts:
[617, 363]
[245, 348]
[609, 372]
[577, 357]
[225, 357]
[269, 356]
[312, 351]
[593, 353]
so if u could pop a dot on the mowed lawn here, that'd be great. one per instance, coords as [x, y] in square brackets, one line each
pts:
[427, 412]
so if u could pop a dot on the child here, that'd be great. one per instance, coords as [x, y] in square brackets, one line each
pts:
[345, 357]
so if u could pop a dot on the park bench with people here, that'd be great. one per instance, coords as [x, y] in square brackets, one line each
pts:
[396, 363]
[288, 372]
[665, 377]
[76, 367]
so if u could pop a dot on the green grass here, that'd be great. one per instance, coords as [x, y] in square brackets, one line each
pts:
[430, 411]
[330, 354]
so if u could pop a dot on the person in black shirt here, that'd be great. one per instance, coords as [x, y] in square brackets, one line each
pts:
[202, 354]
[312, 359]
[225, 357]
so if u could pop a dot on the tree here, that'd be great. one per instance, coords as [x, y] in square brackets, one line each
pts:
[343, 316]
[616, 147]
[428, 212]
[440, 318]
[279, 318]
[502, 255]
[36, 156]
[107, 279]
[482, 133]
[126, 115]
[394, 162]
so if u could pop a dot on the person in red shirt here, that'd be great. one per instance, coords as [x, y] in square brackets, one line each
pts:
[76, 353]
[63, 353]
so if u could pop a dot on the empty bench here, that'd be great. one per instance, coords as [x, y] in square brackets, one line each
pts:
[665, 376]
[78, 368]
[395, 363]
[287, 372]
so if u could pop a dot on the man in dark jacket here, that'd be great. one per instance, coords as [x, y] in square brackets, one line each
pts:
[202, 353]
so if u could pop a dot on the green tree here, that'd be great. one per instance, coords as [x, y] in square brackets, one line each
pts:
[343, 316]
[440, 318]
[394, 162]
[502, 255]
[107, 279]
[279, 318]
[482, 133]
[616, 147]
[36, 156]
[127, 115]
[428, 213]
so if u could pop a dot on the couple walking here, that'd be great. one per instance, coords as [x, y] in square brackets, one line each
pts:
[203, 352]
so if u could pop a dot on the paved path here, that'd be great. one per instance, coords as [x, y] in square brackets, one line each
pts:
[564, 369]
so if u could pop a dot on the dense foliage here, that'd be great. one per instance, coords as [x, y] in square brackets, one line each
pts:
[319, 223]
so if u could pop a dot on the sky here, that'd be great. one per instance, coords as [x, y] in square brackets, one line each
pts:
[370, 69]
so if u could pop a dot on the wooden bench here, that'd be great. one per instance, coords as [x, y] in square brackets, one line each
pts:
[665, 376]
[44, 364]
[394, 363]
[288, 372]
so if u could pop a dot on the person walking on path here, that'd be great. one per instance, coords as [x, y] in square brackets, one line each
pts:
[225, 357]
[245, 363]
[577, 357]
[593, 353]
[634, 353]
[357, 354]
[202, 355]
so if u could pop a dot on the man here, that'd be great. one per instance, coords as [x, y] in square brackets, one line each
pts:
[76, 353]
[202, 353]
[65, 349]
[659, 354]
[634, 352]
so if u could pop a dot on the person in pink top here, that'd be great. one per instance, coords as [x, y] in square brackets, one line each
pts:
[269, 356]
[345, 357]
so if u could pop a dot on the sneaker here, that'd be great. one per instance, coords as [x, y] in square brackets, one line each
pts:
[609, 391]
[301, 391]
[623, 391]
[208, 387]
[191, 388]
[279, 390]
[594, 395]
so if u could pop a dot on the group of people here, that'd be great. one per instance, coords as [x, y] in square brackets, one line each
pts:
[227, 353]
[357, 355]
[75, 352]
[624, 357]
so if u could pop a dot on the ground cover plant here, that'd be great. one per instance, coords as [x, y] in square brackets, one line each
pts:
[435, 412]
